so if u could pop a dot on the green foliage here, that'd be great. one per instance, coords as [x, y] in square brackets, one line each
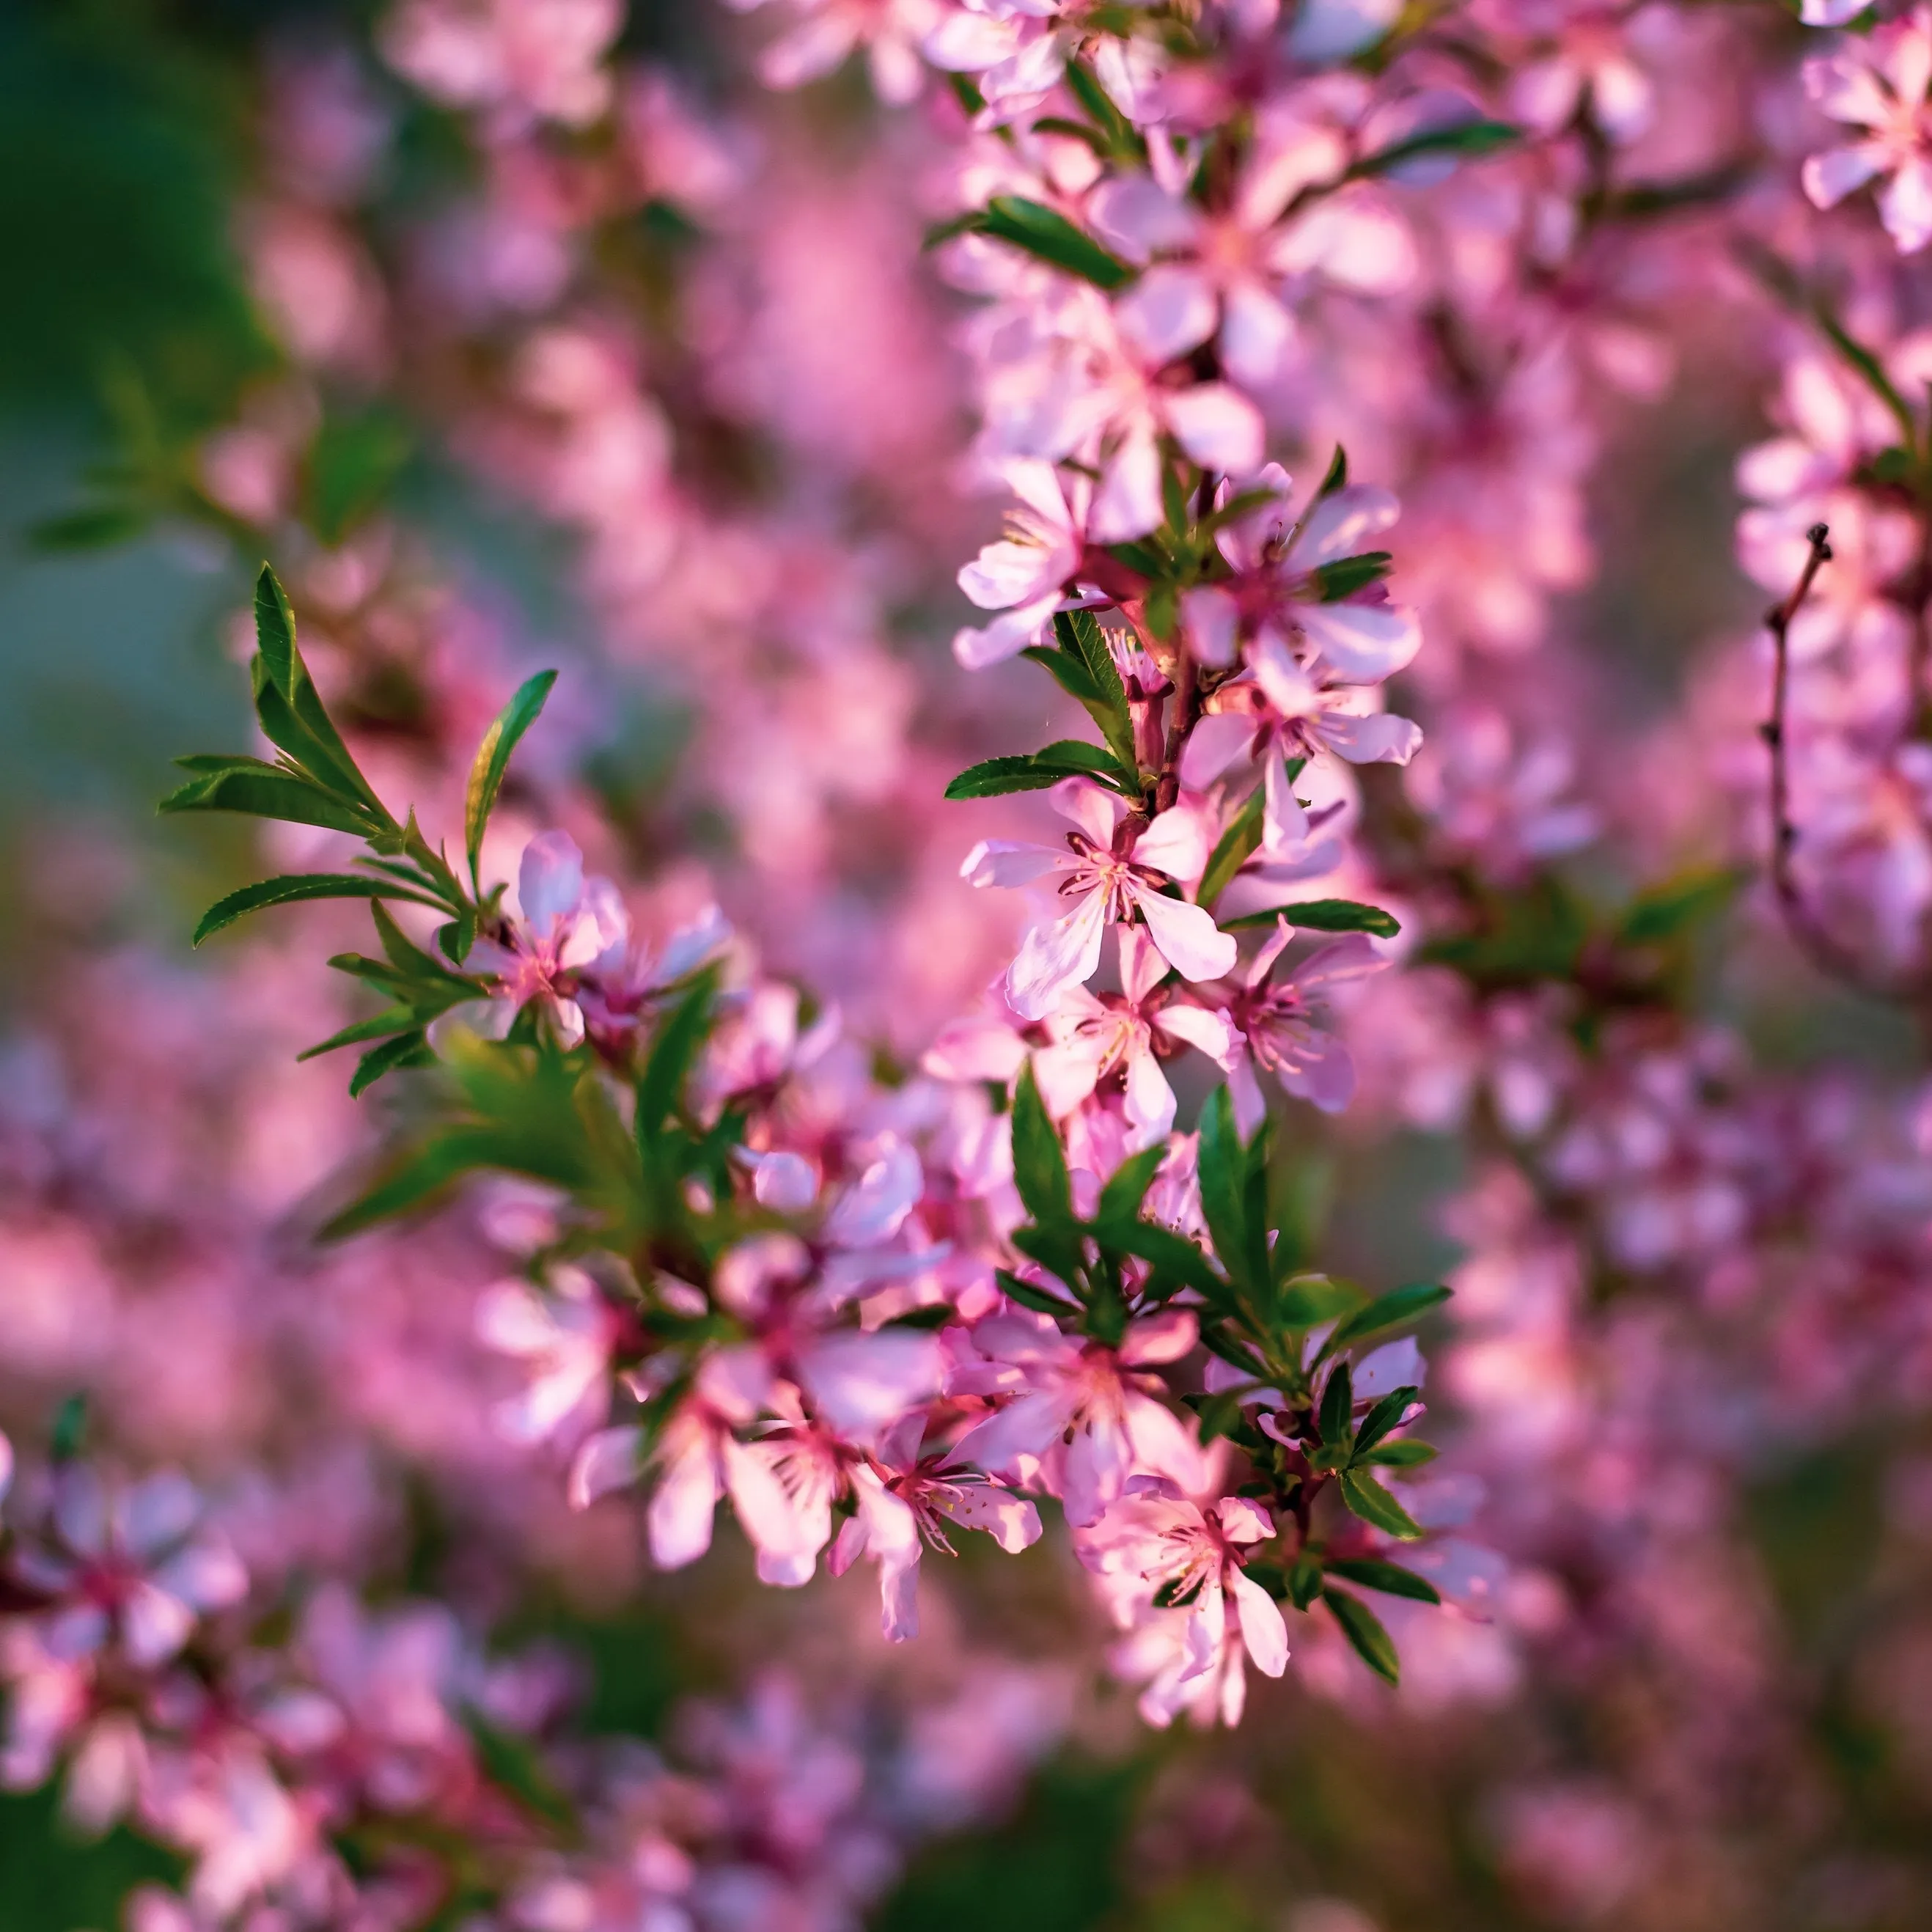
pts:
[1064, 758]
[1323, 916]
[493, 761]
[1467, 140]
[1363, 1629]
[1041, 231]
[1391, 1579]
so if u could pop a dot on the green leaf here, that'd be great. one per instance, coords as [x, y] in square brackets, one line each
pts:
[1391, 1579]
[667, 1068]
[1405, 1453]
[1232, 849]
[1307, 1300]
[510, 1763]
[1467, 139]
[1336, 476]
[1219, 1415]
[266, 793]
[351, 464]
[1234, 1197]
[1120, 1199]
[1171, 1254]
[69, 1433]
[391, 1019]
[290, 708]
[493, 761]
[1396, 1310]
[1363, 1629]
[95, 527]
[1035, 771]
[1347, 575]
[1304, 1581]
[406, 1049]
[1666, 911]
[1028, 1294]
[1037, 229]
[293, 888]
[1336, 1421]
[1323, 916]
[1085, 669]
[1383, 1417]
[1039, 1162]
[1374, 1505]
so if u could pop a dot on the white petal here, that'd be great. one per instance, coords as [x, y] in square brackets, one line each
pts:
[1006, 861]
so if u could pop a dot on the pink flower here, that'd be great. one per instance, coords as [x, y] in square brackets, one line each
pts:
[1275, 1020]
[1173, 1577]
[902, 1500]
[568, 924]
[1878, 84]
[522, 58]
[1094, 1038]
[1079, 1416]
[828, 31]
[1280, 712]
[130, 1566]
[564, 1338]
[1109, 879]
[1024, 574]
[1278, 593]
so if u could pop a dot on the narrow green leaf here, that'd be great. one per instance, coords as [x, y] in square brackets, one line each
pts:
[1374, 1505]
[1307, 1300]
[351, 464]
[1391, 1579]
[1120, 1199]
[1171, 1254]
[1028, 1294]
[1223, 1166]
[68, 1436]
[379, 1026]
[266, 793]
[1467, 140]
[1363, 1629]
[1336, 1421]
[1035, 771]
[275, 631]
[1336, 476]
[1323, 916]
[1666, 910]
[95, 527]
[406, 1049]
[1232, 849]
[417, 1180]
[1040, 1162]
[666, 1069]
[1384, 1417]
[493, 761]
[1396, 1310]
[1403, 1453]
[1347, 575]
[293, 888]
[511, 1764]
[1041, 231]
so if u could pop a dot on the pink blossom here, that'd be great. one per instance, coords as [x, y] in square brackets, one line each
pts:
[1023, 575]
[1878, 84]
[1109, 879]
[1277, 596]
[1274, 1020]
[1079, 1415]
[1173, 1577]
[1093, 1038]
[518, 58]
[564, 1338]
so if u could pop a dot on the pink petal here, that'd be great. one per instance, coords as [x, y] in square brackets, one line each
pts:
[1187, 936]
[1218, 427]
[1055, 956]
[1364, 642]
[1137, 218]
[860, 1383]
[1170, 311]
[1213, 618]
[608, 1460]
[1155, 1339]
[550, 880]
[1128, 504]
[1176, 843]
[1381, 739]
[1829, 177]
[1263, 1631]
[1214, 744]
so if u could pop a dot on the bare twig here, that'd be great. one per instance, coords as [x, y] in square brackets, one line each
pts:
[1814, 938]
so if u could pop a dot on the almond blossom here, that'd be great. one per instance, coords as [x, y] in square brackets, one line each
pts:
[1173, 1578]
[1878, 84]
[1278, 593]
[1274, 1019]
[1082, 1417]
[1112, 875]
[1024, 574]
[1093, 1038]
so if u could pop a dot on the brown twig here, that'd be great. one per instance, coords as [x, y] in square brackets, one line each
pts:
[1813, 938]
